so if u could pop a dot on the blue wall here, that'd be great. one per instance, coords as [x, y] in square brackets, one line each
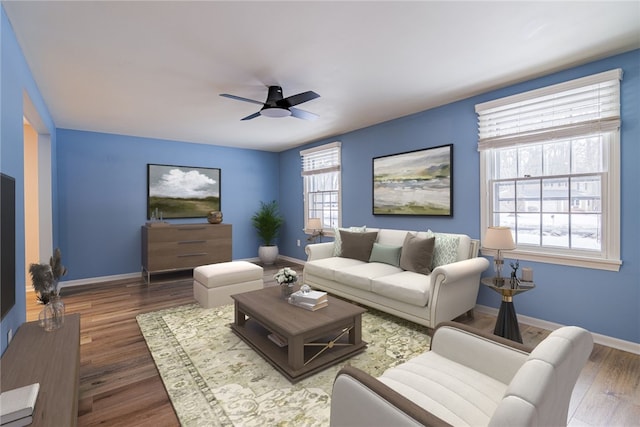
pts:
[603, 302]
[102, 181]
[16, 79]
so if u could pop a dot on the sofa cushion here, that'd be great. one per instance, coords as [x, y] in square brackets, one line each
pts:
[326, 267]
[388, 236]
[360, 276]
[357, 245]
[388, 254]
[441, 386]
[417, 253]
[406, 286]
[446, 248]
[337, 241]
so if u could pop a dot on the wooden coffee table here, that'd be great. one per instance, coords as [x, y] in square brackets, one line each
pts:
[314, 339]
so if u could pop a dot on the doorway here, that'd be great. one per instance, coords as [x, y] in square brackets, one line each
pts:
[37, 189]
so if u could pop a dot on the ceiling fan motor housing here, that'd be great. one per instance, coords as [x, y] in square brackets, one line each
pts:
[271, 107]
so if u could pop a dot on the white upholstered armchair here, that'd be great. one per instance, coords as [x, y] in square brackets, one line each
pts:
[468, 378]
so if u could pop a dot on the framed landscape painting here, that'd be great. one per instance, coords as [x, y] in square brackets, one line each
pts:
[414, 183]
[182, 191]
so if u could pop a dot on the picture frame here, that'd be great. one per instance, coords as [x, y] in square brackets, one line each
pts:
[182, 191]
[417, 183]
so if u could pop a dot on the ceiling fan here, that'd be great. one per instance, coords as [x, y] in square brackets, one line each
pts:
[278, 106]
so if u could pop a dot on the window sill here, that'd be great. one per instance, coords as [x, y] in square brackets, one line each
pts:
[561, 259]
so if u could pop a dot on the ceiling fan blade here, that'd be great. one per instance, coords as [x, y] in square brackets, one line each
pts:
[301, 114]
[251, 116]
[292, 100]
[239, 98]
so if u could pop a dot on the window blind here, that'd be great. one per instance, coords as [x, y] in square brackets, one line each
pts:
[578, 107]
[322, 159]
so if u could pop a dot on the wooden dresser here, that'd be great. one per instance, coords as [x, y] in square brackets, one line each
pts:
[172, 247]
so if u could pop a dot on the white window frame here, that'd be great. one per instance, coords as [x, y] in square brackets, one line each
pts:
[493, 138]
[319, 160]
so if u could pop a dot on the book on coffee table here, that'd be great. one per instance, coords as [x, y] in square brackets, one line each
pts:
[280, 341]
[309, 306]
[311, 297]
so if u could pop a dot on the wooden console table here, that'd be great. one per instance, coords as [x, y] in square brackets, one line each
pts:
[51, 359]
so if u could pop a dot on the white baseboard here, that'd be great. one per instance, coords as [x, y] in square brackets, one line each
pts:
[94, 280]
[616, 343]
[291, 259]
[280, 258]
[127, 276]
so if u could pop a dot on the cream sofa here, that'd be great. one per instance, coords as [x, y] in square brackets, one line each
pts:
[449, 291]
[468, 378]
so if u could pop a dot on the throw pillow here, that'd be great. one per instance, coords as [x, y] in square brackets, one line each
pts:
[417, 253]
[357, 245]
[337, 242]
[387, 254]
[446, 250]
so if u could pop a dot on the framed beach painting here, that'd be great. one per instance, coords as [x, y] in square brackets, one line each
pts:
[182, 191]
[417, 182]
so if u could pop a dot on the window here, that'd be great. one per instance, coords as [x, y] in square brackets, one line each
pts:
[321, 174]
[550, 170]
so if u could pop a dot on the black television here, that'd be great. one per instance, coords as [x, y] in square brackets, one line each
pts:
[7, 243]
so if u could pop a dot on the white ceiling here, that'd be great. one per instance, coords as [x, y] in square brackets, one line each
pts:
[155, 68]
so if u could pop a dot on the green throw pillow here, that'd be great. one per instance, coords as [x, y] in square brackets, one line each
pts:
[357, 245]
[387, 254]
[417, 253]
[337, 242]
[446, 250]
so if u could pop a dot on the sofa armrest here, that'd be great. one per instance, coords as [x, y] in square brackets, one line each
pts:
[454, 289]
[319, 250]
[460, 269]
[358, 399]
[484, 352]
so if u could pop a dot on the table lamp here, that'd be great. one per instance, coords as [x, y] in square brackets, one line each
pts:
[315, 225]
[500, 239]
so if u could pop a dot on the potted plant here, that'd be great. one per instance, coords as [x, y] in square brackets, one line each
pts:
[267, 222]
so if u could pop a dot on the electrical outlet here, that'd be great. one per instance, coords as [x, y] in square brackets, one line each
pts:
[298, 242]
[9, 336]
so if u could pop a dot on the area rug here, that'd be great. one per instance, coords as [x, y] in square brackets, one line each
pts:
[214, 379]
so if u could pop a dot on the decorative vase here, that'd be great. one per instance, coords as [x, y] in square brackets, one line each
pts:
[287, 289]
[41, 318]
[53, 314]
[214, 217]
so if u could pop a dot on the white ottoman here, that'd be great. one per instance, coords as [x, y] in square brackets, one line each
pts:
[214, 284]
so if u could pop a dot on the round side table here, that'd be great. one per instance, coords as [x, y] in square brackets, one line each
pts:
[507, 321]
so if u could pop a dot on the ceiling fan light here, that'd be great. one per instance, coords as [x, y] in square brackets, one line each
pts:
[275, 112]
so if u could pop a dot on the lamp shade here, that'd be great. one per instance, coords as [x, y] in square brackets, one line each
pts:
[498, 238]
[314, 224]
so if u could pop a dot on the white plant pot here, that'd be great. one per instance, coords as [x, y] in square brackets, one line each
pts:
[268, 254]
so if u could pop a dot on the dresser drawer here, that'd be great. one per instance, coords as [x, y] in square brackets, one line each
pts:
[177, 262]
[187, 233]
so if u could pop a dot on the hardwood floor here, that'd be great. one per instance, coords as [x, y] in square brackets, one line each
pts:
[120, 386]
